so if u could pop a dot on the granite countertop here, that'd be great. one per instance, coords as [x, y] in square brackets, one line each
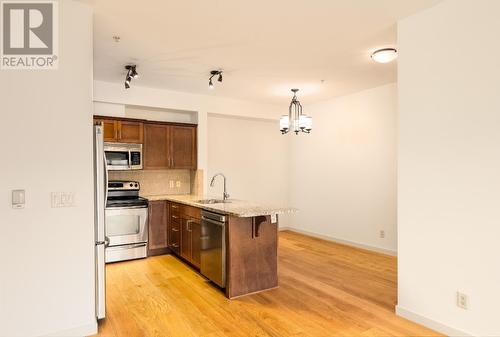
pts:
[239, 208]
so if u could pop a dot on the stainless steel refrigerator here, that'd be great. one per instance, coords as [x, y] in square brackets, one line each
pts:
[100, 197]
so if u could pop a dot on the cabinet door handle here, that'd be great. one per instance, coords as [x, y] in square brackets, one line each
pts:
[175, 230]
[175, 217]
[175, 206]
[175, 245]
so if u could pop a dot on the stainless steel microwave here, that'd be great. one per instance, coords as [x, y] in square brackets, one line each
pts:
[123, 156]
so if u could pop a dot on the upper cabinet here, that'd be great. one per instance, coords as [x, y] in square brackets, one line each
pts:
[183, 147]
[122, 131]
[169, 146]
[166, 145]
[156, 146]
[131, 132]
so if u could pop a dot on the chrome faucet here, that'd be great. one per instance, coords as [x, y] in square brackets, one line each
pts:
[225, 195]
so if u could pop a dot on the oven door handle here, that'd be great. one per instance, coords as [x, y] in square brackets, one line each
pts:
[128, 246]
[126, 207]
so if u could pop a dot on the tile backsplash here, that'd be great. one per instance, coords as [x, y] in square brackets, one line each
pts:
[157, 182]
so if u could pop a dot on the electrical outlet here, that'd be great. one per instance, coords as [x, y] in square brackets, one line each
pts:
[462, 301]
[382, 234]
[178, 183]
[171, 183]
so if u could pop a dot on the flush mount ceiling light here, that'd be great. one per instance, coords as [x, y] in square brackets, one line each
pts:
[212, 74]
[295, 120]
[384, 55]
[131, 73]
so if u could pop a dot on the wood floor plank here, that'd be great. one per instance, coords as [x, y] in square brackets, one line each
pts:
[326, 289]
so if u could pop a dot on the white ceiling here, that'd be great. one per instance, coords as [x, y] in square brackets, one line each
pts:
[265, 47]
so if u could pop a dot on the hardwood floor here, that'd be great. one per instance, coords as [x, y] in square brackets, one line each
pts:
[326, 289]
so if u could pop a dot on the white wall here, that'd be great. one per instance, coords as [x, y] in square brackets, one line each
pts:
[343, 174]
[253, 155]
[47, 254]
[449, 166]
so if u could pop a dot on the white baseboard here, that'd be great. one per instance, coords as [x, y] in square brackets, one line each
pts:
[79, 331]
[430, 323]
[342, 241]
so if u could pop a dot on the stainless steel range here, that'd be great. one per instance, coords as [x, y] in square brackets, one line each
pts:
[126, 222]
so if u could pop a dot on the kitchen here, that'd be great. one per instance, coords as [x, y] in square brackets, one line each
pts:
[231, 242]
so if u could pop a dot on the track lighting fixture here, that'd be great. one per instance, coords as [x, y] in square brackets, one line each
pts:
[131, 73]
[212, 74]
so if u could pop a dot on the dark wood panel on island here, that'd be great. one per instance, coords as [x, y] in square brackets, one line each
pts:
[252, 255]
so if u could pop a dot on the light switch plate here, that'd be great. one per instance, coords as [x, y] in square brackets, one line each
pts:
[274, 218]
[178, 183]
[62, 199]
[18, 199]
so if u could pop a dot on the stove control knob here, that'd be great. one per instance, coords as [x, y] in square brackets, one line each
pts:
[131, 185]
[136, 185]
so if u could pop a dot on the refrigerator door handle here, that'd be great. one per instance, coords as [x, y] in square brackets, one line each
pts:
[105, 179]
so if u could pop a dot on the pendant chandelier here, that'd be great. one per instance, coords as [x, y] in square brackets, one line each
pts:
[295, 120]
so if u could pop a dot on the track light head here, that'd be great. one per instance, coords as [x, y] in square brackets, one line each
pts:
[212, 74]
[131, 73]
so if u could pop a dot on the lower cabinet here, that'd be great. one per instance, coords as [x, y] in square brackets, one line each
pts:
[158, 228]
[176, 228]
[190, 242]
[196, 242]
[187, 220]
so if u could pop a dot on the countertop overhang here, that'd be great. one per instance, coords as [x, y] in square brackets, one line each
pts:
[234, 207]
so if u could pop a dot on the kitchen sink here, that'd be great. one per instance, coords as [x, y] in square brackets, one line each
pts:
[212, 201]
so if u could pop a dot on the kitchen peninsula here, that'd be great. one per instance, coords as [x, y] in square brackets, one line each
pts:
[249, 246]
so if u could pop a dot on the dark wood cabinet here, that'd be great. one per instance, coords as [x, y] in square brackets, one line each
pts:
[158, 228]
[131, 132]
[185, 232]
[156, 146]
[169, 146]
[191, 241]
[186, 239]
[196, 242]
[183, 147]
[174, 228]
[122, 131]
[166, 145]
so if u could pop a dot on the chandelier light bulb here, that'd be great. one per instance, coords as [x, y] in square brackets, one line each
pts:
[284, 124]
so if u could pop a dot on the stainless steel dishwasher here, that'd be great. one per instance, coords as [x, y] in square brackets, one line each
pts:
[213, 247]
